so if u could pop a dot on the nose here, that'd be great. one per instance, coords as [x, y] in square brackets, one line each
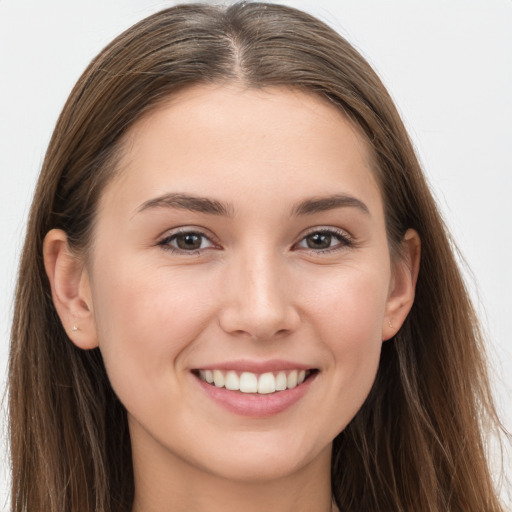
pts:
[258, 300]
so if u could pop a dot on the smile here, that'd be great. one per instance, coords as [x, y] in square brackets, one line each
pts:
[258, 389]
[249, 382]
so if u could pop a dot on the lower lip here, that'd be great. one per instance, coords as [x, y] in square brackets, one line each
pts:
[254, 404]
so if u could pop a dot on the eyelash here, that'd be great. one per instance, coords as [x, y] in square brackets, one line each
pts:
[344, 239]
[165, 243]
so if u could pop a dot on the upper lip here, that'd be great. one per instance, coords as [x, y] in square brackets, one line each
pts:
[245, 365]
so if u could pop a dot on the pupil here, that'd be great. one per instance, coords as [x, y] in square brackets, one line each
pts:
[189, 241]
[319, 241]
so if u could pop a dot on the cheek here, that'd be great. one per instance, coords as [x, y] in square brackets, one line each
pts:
[348, 317]
[349, 306]
[145, 318]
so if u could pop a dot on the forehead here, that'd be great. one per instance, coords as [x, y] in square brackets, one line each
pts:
[240, 143]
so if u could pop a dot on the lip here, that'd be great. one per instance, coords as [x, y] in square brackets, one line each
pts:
[244, 365]
[253, 404]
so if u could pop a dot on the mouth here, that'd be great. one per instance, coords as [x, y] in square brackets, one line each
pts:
[266, 383]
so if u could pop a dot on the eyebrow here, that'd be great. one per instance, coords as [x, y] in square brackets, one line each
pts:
[188, 202]
[322, 204]
[214, 207]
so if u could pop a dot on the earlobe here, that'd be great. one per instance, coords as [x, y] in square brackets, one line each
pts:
[70, 286]
[403, 284]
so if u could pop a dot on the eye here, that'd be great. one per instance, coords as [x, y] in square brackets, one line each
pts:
[186, 241]
[325, 240]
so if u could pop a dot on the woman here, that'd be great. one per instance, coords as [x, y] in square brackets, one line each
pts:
[222, 302]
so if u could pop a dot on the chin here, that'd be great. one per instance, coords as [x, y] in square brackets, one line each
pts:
[263, 459]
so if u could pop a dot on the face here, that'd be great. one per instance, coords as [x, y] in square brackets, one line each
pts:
[243, 241]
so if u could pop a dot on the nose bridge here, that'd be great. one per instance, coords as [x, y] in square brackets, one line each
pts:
[263, 282]
[259, 301]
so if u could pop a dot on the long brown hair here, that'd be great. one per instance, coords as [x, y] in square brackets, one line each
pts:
[418, 441]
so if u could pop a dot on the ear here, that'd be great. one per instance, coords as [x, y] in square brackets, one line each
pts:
[71, 291]
[403, 284]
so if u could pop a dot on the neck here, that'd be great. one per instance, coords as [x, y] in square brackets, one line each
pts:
[166, 483]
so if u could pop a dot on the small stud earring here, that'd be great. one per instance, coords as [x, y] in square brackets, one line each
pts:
[74, 328]
[390, 324]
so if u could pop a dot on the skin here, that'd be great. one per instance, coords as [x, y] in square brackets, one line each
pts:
[255, 290]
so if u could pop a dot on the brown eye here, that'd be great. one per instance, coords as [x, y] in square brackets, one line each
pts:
[188, 241]
[318, 240]
[325, 240]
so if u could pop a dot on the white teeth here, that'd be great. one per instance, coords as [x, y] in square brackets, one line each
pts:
[266, 383]
[232, 381]
[218, 378]
[281, 381]
[292, 379]
[249, 382]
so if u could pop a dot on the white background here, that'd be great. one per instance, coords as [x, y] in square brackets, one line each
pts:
[448, 65]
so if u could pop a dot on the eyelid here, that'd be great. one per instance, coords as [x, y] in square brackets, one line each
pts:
[164, 240]
[346, 239]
